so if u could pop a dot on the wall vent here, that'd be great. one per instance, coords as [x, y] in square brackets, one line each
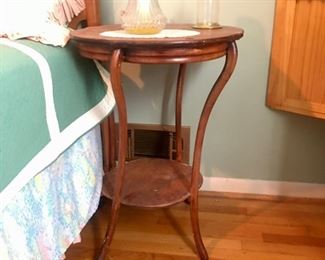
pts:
[156, 141]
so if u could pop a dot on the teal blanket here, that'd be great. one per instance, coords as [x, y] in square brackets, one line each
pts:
[49, 97]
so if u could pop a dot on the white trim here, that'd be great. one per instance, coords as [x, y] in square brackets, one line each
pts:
[51, 117]
[262, 187]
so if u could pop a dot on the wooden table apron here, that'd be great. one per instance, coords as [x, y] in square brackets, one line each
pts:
[208, 45]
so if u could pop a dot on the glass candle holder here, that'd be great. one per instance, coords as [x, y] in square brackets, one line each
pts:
[143, 17]
[207, 15]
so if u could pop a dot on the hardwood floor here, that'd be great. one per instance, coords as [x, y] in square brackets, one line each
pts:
[232, 227]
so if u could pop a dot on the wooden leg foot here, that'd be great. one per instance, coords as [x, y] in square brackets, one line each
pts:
[110, 232]
[196, 230]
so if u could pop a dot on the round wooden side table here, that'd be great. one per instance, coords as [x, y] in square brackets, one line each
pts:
[158, 182]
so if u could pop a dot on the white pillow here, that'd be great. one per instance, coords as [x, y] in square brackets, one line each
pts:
[40, 20]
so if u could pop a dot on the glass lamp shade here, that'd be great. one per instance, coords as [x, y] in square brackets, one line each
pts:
[143, 17]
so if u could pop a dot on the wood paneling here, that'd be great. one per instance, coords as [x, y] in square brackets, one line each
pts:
[297, 67]
[233, 227]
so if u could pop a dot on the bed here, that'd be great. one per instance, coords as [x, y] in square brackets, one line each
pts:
[52, 102]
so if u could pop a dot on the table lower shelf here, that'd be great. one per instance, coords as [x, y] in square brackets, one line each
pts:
[152, 183]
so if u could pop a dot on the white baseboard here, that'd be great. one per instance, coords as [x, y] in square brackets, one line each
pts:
[262, 187]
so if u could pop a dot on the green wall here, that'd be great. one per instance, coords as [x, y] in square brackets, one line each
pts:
[244, 139]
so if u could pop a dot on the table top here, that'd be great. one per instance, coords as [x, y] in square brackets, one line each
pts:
[208, 44]
[205, 36]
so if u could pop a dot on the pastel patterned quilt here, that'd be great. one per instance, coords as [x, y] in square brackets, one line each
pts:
[48, 213]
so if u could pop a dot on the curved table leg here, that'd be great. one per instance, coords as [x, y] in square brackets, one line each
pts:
[178, 111]
[112, 141]
[178, 114]
[104, 127]
[231, 59]
[115, 69]
[108, 142]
